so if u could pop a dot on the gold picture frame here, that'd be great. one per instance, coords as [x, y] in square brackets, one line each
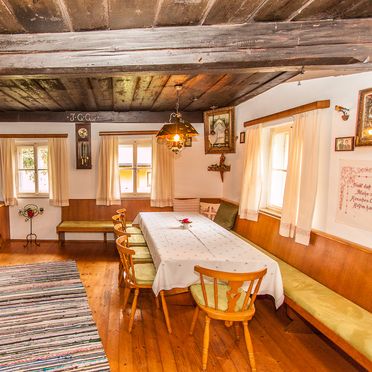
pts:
[364, 120]
[219, 131]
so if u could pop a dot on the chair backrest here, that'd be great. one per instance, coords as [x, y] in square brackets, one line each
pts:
[235, 281]
[117, 218]
[123, 214]
[126, 258]
[119, 230]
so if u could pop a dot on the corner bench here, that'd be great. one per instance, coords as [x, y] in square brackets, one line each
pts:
[83, 227]
[346, 324]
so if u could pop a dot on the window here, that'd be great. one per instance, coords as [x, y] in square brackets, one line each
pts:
[278, 163]
[135, 162]
[32, 162]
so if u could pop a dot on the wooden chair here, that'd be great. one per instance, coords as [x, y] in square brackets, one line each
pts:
[134, 240]
[138, 276]
[120, 218]
[227, 302]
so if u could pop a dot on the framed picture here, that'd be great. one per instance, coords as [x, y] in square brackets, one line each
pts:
[242, 137]
[188, 142]
[344, 144]
[364, 121]
[219, 132]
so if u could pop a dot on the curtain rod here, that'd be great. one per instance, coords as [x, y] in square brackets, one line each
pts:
[33, 135]
[290, 112]
[128, 133]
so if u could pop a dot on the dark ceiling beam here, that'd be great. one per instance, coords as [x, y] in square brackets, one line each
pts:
[141, 117]
[190, 48]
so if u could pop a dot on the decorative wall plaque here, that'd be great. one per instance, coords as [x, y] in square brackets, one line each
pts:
[83, 146]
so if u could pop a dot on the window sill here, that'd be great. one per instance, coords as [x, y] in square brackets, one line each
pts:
[135, 197]
[271, 212]
[32, 196]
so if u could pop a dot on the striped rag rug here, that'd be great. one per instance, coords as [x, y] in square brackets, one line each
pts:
[45, 320]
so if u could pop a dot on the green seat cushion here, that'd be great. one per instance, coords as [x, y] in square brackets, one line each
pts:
[142, 254]
[346, 319]
[133, 230]
[197, 294]
[104, 226]
[145, 273]
[135, 240]
[226, 215]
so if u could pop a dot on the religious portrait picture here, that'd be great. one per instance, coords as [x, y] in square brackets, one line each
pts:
[219, 133]
[364, 120]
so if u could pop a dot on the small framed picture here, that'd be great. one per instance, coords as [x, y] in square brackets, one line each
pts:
[188, 142]
[242, 137]
[344, 144]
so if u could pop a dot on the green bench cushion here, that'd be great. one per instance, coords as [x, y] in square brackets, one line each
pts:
[96, 226]
[346, 319]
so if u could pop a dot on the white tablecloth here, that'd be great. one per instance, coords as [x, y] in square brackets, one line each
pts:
[175, 252]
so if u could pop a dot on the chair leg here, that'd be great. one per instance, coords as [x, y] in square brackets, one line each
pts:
[236, 326]
[248, 342]
[127, 291]
[194, 319]
[157, 302]
[133, 311]
[120, 276]
[206, 342]
[165, 310]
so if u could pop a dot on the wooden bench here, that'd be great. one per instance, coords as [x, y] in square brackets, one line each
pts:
[346, 324]
[84, 227]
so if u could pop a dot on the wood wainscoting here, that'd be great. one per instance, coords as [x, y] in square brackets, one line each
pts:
[342, 266]
[4, 224]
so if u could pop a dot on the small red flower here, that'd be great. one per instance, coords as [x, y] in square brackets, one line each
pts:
[30, 213]
[185, 220]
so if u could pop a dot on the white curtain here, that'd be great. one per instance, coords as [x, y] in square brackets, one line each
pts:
[302, 177]
[8, 171]
[162, 175]
[108, 190]
[252, 176]
[58, 171]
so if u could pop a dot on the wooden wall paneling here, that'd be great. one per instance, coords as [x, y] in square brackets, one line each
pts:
[4, 224]
[181, 13]
[167, 95]
[58, 92]
[88, 14]
[134, 14]
[338, 265]
[102, 91]
[38, 94]
[279, 10]
[123, 91]
[39, 16]
[86, 209]
[8, 21]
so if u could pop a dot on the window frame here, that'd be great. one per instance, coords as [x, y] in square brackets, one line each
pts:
[273, 131]
[36, 194]
[135, 142]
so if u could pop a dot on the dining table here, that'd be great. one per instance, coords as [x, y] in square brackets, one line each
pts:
[177, 249]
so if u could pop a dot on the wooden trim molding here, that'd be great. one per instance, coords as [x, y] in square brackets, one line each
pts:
[129, 133]
[290, 112]
[33, 135]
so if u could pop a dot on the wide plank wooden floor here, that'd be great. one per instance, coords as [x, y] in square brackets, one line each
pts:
[151, 348]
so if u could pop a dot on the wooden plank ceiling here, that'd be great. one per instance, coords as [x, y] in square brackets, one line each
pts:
[153, 91]
[19, 16]
[134, 92]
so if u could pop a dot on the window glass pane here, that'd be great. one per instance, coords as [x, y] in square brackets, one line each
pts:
[144, 180]
[42, 157]
[26, 181]
[43, 181]
[26, 157]
[276, 193]
[126, 180]
[126, 155]
[279, 150]
[144, 154]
